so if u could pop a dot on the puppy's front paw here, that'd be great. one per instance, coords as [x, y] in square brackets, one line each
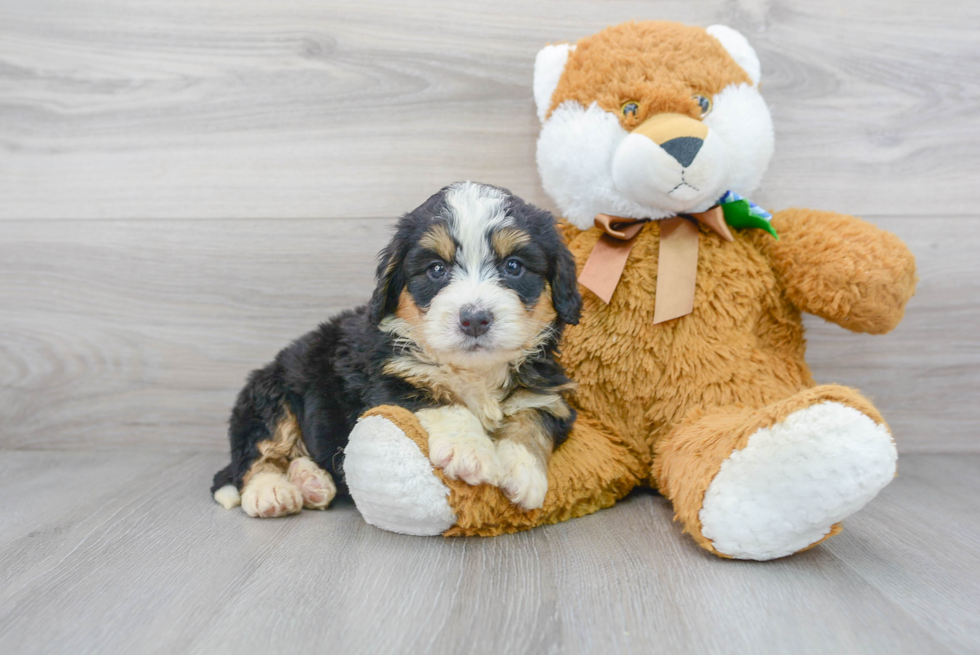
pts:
[268, 495]
[316, 485]
[465, 458]
[459, 445]
[523, 476]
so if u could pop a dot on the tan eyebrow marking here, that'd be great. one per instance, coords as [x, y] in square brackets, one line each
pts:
[439, 240]
[508, 240]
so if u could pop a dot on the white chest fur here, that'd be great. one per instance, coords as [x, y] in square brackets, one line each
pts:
[482, 391]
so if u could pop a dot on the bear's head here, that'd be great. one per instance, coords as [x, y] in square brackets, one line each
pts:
[650, 120]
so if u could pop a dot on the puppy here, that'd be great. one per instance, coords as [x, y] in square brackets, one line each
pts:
[472, 295]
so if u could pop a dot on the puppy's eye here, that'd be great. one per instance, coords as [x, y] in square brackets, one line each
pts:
[436, 270]
[630, 109]
[513, 267]
[705, 103]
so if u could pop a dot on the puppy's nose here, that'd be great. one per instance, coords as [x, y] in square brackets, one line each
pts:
[474, 321]
[684, 149]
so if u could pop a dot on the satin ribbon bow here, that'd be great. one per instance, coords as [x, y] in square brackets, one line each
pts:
[677, 266]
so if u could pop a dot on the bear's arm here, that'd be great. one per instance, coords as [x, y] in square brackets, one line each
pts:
[841, 268]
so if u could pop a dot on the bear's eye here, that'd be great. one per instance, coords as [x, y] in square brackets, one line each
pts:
[705, 103]
[436, 270]
[630, 109]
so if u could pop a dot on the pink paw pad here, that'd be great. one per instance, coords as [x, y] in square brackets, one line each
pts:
[315, 484]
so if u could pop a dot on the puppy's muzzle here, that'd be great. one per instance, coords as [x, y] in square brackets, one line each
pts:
[474, 321]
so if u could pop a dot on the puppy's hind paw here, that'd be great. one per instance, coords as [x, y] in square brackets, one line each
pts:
[523, 476]
[315, 484]
[268, 495]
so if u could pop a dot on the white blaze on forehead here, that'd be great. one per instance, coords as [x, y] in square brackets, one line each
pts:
[475, 210]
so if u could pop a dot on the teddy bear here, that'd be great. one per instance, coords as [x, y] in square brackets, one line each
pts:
[689, 354]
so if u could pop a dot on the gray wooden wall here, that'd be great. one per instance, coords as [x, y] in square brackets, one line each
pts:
[186, 185]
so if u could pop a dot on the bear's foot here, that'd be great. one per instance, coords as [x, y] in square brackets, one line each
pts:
[392, 482]
[794, 481]
[761, 483]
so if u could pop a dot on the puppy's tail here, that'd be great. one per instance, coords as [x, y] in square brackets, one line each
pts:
[224, 490]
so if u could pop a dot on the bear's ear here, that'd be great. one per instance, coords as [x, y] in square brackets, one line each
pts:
[548, 67]
[740, 50]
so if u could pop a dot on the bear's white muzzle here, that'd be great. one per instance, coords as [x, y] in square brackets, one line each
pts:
[669, 177]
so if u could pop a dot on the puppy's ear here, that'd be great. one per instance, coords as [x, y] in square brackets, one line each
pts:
[564, 287]
[390, 280]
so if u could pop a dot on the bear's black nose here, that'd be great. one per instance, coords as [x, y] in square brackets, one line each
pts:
[684, 149]
[474, 321]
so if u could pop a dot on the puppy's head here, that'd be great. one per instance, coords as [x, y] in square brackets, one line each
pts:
[475, 276]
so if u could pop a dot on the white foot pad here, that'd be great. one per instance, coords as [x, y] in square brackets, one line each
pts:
[793, 481]
[268, 495]
[392, 483]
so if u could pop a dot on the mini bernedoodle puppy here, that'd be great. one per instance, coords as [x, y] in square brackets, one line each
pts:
[472, 295]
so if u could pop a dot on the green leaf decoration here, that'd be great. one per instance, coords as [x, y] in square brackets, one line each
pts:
[739, 215]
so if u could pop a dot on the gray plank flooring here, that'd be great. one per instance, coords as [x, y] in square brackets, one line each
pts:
[125, 552]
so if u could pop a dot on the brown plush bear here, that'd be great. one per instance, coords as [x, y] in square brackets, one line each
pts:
[689, 356]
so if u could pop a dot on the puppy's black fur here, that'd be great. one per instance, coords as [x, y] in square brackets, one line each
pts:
[333, 374]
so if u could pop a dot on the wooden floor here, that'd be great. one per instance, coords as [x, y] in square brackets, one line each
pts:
[126, 553]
